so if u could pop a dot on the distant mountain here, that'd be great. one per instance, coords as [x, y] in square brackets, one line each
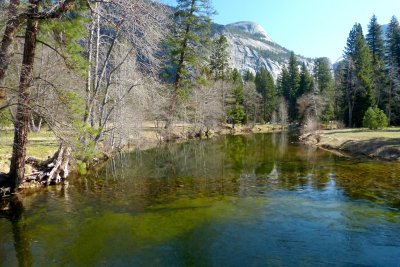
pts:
[252, 48]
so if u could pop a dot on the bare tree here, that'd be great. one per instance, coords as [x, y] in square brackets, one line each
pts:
[207, 107]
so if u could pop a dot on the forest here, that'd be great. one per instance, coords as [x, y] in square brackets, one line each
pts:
[92, 72]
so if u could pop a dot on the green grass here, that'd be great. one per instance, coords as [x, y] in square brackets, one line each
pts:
[40, 145]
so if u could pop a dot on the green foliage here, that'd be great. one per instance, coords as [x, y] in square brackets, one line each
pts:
[328, 114]
[81, 167]
[306, 84]
[235, 76]
[66, 34]
[82, 136]
[375, 118]
[322, 75]
[358, 77]
[219, 58]
[392, 62]
[265, 86]
[237, 114]
[189, 40]
[374, 40]
[292, 87]
[249, 76]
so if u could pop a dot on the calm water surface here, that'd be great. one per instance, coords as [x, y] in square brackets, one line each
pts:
[257, 200]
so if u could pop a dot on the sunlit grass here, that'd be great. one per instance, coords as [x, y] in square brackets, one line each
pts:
[40, 145]
[363, 134]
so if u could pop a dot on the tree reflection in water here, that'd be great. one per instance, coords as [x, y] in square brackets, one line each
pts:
[13, 210]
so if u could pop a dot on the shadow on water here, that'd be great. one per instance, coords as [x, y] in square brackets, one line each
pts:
[12, 209]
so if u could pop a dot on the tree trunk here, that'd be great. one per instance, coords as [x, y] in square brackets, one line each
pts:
[10, 31]
[89, 81]
[21, 126]
[350, 115]
[178, 75]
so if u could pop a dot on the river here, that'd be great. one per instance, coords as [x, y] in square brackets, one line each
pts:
[253, 200]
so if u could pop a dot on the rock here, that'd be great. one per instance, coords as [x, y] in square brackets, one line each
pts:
[251, 48]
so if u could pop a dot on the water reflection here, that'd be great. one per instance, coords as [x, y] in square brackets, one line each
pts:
[236, 164]
[235, 200]
[12, 210]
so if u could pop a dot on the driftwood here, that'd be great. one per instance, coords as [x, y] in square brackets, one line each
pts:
[52, 171]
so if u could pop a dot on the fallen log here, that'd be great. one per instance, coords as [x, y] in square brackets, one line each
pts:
[52, 171]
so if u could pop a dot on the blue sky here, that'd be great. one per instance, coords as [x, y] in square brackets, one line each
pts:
[313, 28]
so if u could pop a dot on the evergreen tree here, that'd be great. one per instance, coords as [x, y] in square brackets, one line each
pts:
[219, 58]
[265, 86]
[323, 75]
[283, 84]
[237, 112]
[306, 84]
[249, 76]
[393, 68]
[376, 46]
[324, 85]
[293, 86]
[187, 43]
[358, 77]
[374, 40]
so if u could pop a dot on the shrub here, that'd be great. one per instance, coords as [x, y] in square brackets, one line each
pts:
[375, 118]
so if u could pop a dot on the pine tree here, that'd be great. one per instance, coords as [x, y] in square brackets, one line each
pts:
[306, 84]
[376, 45]
[374, 40]
[237, 112]
[266, 87]
[283, 83]
[358, 77]
[187, 43]
[324, 84]
[323, 75]
[219, 58]
[392, 59]
[293, 83]
[249, 76]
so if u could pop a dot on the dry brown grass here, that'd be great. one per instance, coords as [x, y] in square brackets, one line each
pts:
[383, 143]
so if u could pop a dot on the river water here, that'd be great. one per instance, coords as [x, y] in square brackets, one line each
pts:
[256, 200]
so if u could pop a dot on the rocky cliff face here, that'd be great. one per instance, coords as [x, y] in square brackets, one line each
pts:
[252, 48]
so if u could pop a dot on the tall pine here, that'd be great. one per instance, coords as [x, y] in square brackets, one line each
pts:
[358, 87]
[187, 44]
[293, 86]
[392, 57]
[306, 84]
[376, 45]
[219, 58]
[265, 86]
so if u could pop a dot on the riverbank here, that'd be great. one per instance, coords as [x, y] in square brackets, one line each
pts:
[381, 144]
[44, 144]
